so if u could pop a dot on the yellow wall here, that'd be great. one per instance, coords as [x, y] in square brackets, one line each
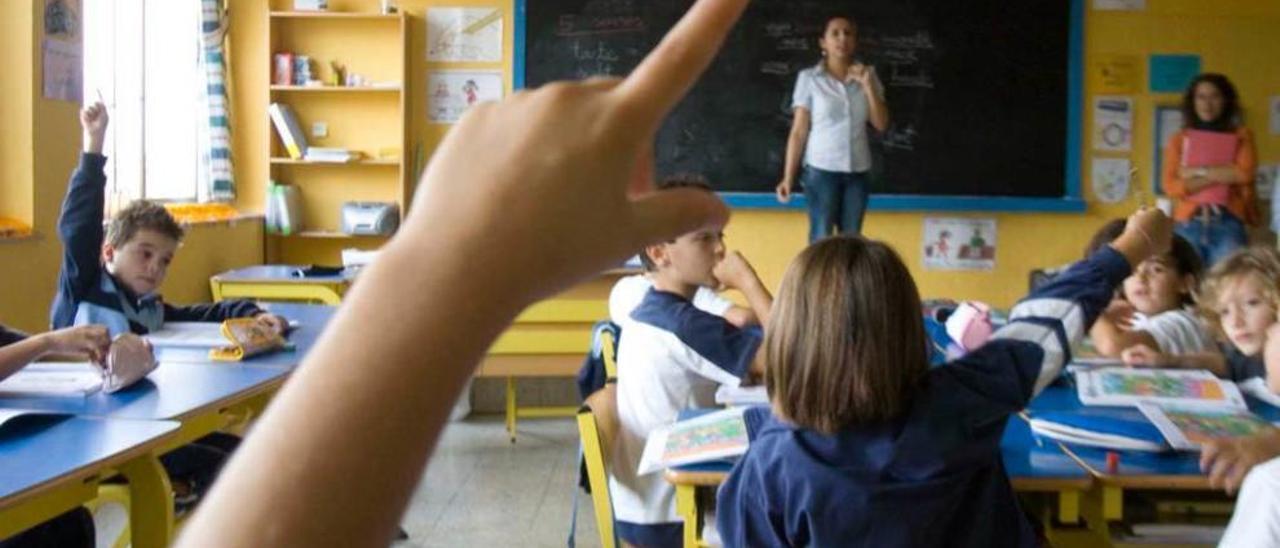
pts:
[39, 146]
[1236, 37]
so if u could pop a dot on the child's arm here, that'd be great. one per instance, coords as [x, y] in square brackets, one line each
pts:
[736, 273]
[217, 312]
[80, 223]
[1111, 335]
[1227, 461]
[741, 316]
[1147, 356]
[90, 340]
[1027, 354]
[379, 383]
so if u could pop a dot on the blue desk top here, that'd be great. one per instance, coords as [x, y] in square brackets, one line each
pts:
[172, 391]
[37, 450]
[1062, 396]
[311, 318]
[1024, 457]
[277, 273]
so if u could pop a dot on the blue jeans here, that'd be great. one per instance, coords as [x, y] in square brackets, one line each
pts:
[1215, 239]
[836, 201]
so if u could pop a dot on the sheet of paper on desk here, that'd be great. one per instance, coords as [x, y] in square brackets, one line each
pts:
[61, 379]
[188, 335]
[709, 437]
[742, 395]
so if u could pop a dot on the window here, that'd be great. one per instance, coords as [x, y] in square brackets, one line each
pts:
[142, 58]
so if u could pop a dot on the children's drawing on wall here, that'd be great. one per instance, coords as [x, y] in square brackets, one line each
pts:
[62, 51]
[956, 243]
[454, 91]
[464, 34]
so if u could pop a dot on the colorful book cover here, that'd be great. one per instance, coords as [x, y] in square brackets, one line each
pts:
[1188, 428]
[1126, 387]
[709, 437]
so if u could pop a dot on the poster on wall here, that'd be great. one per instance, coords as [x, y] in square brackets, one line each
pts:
[1168, 122]
[1275, 115]
[959, 243]
[1116, 73]
[1113, 123]
[1111, 179]
[61, 51]
[451, 92]
[464, 35]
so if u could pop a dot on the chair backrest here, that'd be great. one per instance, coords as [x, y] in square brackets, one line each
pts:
[597, 426]
[608, 349]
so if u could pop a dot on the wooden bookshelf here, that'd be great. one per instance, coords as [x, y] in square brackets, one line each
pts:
[366, 118]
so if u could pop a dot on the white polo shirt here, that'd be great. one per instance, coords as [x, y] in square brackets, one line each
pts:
[672, 357]
[629, 291]
[838, 114]
[1176, 331]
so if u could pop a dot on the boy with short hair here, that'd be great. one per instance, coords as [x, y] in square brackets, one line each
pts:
[672, 356]
[111, 279]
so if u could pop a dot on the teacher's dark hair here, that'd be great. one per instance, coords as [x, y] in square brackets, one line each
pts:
[1230, 115]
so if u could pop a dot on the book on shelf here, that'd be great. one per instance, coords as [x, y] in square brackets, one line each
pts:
[287, 127]
[332, 155]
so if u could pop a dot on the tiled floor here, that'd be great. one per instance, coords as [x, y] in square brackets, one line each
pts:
[482, 490]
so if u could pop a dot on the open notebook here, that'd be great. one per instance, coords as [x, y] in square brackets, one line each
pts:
[714, 436]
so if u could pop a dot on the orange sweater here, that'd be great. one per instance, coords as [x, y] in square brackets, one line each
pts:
[1242, 200]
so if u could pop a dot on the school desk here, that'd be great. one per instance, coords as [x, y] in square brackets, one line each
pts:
[201, 397]
[1032, 467]
[549, 339]
[51, 464]
[1134, 470]
[280, 283]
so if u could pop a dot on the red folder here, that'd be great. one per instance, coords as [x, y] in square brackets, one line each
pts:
[1209, 148]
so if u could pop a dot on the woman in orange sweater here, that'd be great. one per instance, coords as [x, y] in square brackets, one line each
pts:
[1211, 185]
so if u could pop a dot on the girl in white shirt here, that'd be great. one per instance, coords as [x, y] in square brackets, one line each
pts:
[833, 104]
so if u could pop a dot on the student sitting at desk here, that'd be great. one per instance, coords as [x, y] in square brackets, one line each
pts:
[17, 349]
[629, 291]
[1155, 307]
[871, 447]
[112, 281]
[1239, 298]
[672, 356]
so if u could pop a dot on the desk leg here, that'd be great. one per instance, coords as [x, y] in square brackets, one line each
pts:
[687, 509]
[511, 408]
[1112, 503]
[151, 501]
[1069, 507]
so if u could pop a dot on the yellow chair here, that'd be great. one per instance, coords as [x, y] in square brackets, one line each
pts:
[597, 425]
[607, 350]
[112, 499]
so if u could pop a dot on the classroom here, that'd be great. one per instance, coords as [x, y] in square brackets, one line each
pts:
[639, 273]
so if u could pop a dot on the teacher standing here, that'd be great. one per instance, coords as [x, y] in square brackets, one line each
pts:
[833, 105]
[1213, 203]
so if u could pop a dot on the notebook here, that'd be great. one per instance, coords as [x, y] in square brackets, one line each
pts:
[1123, 429]
[714, 436]
[1121, 386]
[1187, 428]
[53, 379]
[1209, 148]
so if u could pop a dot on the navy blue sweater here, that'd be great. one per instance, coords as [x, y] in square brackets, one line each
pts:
[87, 294]
[934, 476]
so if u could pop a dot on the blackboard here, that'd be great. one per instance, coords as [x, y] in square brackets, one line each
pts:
[977, 90]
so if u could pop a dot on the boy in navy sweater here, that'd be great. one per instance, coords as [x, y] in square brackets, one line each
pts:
[110, 279]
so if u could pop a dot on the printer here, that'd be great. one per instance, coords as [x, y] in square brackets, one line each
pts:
[370, 218]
